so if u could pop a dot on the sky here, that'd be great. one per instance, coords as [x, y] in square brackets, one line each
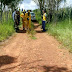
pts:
[29, 4]
[68, 3]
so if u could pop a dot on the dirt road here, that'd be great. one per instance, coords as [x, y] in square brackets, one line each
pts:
[22, 54]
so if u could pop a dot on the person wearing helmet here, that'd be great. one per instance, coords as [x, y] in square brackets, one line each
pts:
[23, 16]
[28, 17]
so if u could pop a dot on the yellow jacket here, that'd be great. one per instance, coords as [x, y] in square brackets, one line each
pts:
[44, 17]
[28, 21]
[23, 16]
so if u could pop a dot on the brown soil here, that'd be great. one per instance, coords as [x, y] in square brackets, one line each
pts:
[23, 54]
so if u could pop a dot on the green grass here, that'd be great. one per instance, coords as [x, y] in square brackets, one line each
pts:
[38, 17]
[63, 32]
[34, 38]
[6, 29]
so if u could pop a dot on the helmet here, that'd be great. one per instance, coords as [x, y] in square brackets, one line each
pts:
[23, 10]
[28, 10]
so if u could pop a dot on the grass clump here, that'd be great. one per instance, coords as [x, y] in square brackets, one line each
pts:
[32, 32]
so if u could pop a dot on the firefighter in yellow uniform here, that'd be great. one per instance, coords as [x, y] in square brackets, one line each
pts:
[28, 17]
[23, 16]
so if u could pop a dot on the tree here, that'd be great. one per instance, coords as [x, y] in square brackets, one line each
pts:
[50, 5]
[10, 3]
[14, 4]
[40, 3]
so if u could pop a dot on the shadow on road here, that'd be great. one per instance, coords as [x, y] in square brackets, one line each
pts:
[21, 31]
[55, 69]
[35, 27]
[51, 69]
[39, 31]
[35, 21]
[4, 60]
[26, 67]
[23, 64]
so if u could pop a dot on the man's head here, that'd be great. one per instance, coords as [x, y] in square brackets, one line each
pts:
[28, 11]
[23, 11]
[15, 9]
[44, 11]
[16, 12]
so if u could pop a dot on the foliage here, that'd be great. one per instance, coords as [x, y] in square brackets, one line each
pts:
[38, 16]
[12, 4]
[52, 7]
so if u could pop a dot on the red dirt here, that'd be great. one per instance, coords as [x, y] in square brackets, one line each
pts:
[44, 54]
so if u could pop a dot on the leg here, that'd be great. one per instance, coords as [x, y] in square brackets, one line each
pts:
[23, 26]
[43, 25]
[27, 25]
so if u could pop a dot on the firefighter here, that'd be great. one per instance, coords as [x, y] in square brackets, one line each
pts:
[28, 18]
[23, 16]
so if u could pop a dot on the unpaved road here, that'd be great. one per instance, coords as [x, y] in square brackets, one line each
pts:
[23, 54]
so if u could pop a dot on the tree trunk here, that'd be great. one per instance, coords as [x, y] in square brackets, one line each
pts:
[40, 9]
[1, 12]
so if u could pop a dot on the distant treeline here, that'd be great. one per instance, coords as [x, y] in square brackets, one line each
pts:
[61, 14]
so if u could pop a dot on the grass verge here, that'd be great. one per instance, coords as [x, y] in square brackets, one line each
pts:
[6, 29]
[62, 31]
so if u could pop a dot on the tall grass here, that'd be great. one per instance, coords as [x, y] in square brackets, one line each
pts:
[63, 32]
[6, 28]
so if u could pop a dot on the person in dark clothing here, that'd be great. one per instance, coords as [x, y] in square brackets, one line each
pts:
[17, 20]
[18, 17]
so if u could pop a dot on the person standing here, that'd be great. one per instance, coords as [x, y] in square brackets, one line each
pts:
[23, 16]
[18, 17]
[13, 15]
[16, 21]
[44, 20]
[28, 17]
